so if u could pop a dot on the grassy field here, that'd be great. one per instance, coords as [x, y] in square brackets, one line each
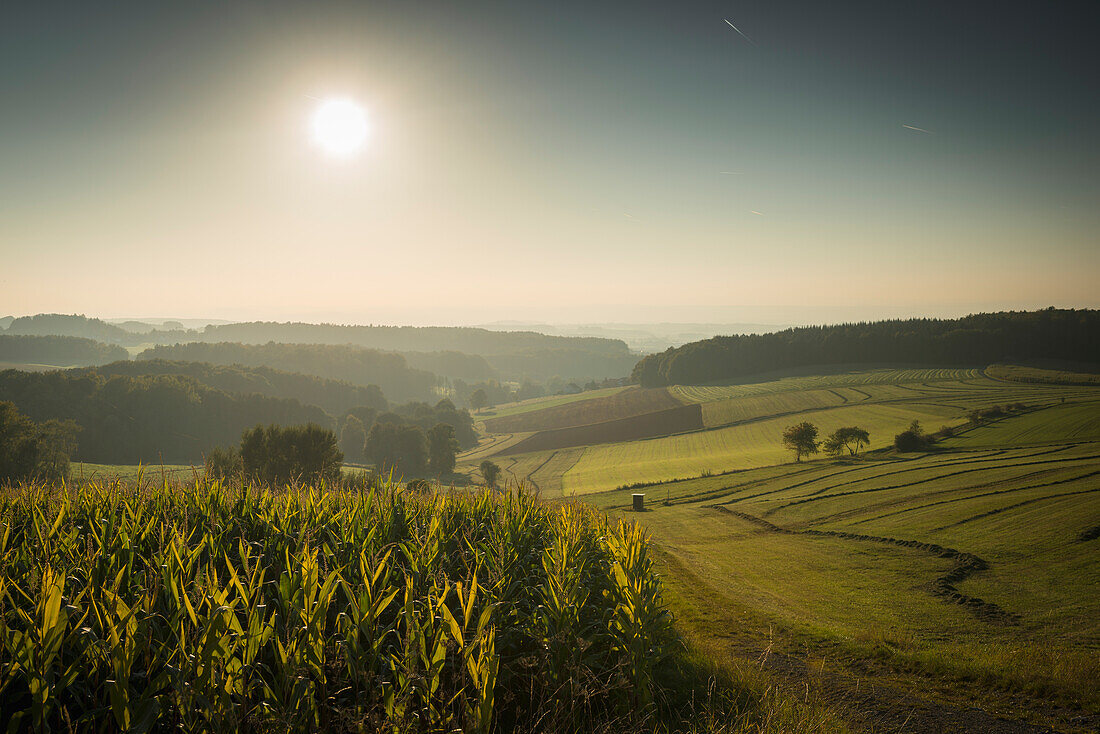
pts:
[550, 401]
[975, 565]
[31, 366]
[962, 584]
[1062, 375]
[107, 472]
[764, 384]
[599, 407]
[742, 423]
[601, 468]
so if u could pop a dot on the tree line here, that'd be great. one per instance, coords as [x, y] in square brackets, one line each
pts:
[413, 438]
[309, 454]
[979, 339]
[148, 419]
[466, 353]
[363, 367]
[333, 396]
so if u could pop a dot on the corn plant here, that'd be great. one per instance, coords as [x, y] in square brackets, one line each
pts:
[225, 607]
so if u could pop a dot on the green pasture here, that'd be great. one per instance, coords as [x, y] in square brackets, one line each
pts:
[605, 467]
[129, 472]
[746, 542]
[550, 401]
[1070, 421]
[761, 385]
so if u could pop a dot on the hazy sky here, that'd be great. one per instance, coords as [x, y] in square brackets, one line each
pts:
[555, 161]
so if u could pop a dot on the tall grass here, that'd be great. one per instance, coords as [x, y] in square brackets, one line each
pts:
[211, 607]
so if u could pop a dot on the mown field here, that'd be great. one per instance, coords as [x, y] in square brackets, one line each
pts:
[975, 566]
[550, 401]
[601, 468]
[1036, 374]
[586, 408]
[86, 472]
[595, 447]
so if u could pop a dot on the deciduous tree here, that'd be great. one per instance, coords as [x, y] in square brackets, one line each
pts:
[801, 439]
[442, 447]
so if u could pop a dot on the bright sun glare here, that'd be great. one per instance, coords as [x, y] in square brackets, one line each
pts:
[339, 127]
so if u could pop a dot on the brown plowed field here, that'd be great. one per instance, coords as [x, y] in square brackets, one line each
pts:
[626, 404]
[650, 425]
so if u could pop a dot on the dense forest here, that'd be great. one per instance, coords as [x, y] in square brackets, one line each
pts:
[149, 419]
[454, 365]
[979, 339]
[407, 338]
[509, 354]
[334, 396]
[363, 367]
[53, 324]
[57, 351]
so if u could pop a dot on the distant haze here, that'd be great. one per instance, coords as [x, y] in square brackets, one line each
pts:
[561, 162]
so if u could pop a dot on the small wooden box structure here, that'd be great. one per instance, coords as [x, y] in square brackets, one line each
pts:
[639, 502]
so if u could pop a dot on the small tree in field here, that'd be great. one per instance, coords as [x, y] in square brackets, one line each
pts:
[833, 445]
[490, 471]
[801, 439]
[852, 438]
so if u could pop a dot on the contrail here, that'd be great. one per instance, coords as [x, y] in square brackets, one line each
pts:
[759, 214]
[731, 173]
[918, 129]
[731, 25]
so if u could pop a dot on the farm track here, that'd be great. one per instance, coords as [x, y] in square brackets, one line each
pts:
[966, 565]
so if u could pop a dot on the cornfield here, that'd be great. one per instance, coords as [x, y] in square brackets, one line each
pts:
[212, 607]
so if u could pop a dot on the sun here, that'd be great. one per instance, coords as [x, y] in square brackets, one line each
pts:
[339, 127]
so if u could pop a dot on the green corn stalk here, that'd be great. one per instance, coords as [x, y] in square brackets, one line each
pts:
[37, 652]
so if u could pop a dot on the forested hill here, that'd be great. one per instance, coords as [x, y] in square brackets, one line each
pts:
[148, 419]
[335, 396]
[55, 324]
[978, 339]
[510, 354]
[408, 338]
[364, 367]
[467, 353]
[57, 351]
